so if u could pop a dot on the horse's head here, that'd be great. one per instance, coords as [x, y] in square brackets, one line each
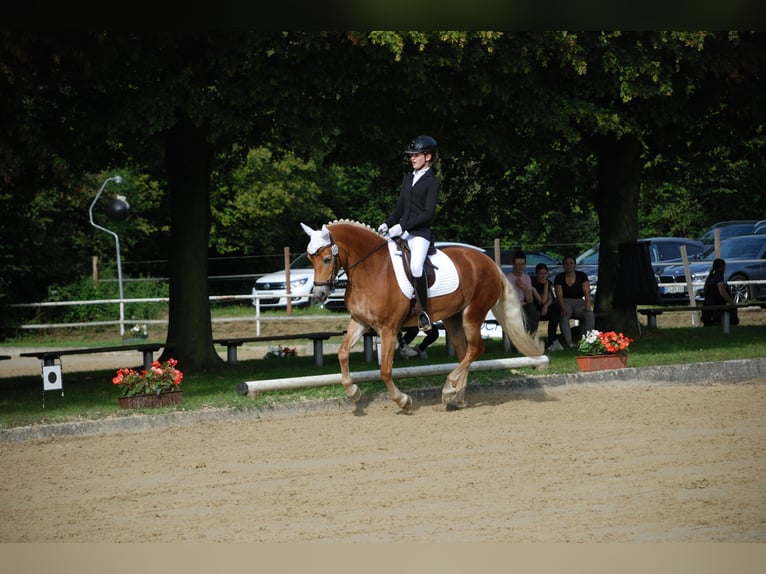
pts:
[323, 254]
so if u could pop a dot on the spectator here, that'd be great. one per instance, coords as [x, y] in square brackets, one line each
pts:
[407, 334]
[522, 282]
[546, 304]
[717, 293]
[573, 296]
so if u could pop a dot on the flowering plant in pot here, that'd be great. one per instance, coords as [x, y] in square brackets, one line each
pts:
[160, 378]
[604, 343]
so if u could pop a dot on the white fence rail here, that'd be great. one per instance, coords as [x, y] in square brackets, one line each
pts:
[213, 298]
[253, 296]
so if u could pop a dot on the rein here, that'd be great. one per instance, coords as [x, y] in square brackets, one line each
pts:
[333, 280]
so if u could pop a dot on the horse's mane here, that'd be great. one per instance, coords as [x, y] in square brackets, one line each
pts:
[352, 223]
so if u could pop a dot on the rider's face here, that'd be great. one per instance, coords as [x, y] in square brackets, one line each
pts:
[418, 160]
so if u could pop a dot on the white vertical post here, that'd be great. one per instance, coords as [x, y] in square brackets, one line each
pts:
[689, 285]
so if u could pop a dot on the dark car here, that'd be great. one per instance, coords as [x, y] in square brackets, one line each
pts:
[535, 257]
[745, 258]
[729, 229]
[662, 251]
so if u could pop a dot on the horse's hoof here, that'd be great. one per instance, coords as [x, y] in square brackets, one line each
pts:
[453, 401]
[404, 402]
[353, 394]
[448, 397]
[455, 406]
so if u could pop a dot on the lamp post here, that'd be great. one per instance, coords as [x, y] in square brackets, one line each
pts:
[118, 210]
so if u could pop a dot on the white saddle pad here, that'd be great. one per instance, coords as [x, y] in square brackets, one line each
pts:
[446, 280]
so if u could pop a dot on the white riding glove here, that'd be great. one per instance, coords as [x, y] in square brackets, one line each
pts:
[383, 229]
[395, 231]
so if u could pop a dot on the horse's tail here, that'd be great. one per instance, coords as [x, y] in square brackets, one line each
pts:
[510, 315]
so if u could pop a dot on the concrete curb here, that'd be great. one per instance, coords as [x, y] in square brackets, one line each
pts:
[692, 373]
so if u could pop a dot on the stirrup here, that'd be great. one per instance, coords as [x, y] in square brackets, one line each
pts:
[424, 321]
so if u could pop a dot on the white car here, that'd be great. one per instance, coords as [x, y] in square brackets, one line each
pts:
[270, 290]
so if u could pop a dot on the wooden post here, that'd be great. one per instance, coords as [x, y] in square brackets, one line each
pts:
[497, 251]
[717, 241]
[95, 270]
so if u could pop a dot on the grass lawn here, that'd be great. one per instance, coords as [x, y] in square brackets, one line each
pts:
[91, 395]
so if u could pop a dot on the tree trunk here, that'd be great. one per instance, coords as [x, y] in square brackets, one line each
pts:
[190, 332]
[616, 202]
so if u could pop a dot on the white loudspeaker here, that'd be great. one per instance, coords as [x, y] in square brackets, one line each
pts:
[52, 378]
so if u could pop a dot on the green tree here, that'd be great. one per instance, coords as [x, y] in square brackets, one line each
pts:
[530, 125]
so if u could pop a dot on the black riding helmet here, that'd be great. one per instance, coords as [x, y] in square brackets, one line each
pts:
[423, 144]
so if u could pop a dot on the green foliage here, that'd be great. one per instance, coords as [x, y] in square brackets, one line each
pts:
[672, 211]
[260, 206]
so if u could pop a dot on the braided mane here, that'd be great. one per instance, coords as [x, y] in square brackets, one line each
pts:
[354, 223]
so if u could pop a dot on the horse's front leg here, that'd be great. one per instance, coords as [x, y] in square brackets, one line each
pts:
[387, 349]
[354, 332]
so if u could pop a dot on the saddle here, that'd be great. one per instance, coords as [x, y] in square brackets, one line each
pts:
[428, 267]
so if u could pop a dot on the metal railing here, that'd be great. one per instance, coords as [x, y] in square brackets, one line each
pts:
[121, 322]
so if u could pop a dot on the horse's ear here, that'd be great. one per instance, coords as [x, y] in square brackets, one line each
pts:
[325, 232]
[307, 229]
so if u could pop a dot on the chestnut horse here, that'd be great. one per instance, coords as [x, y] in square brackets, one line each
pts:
[375, 301]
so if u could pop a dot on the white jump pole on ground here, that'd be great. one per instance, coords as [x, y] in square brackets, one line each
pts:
[248, 387]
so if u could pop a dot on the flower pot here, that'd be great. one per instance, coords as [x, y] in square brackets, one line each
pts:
[150, 401]
[601, 362]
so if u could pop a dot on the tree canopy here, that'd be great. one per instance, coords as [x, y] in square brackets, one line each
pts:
[542, 136]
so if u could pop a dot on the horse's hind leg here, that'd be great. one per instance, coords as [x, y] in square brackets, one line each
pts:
[456, 335]
[457, 380]
[354, 332]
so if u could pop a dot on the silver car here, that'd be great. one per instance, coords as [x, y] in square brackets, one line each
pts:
[745, 258]
[662, 251]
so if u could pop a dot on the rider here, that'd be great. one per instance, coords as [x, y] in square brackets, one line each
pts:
[414, 211]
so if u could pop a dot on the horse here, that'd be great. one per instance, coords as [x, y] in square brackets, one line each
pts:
[376, 301]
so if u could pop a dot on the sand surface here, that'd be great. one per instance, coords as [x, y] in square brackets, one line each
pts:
[627, 462]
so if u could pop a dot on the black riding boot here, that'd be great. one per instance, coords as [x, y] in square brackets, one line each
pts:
[421, 293]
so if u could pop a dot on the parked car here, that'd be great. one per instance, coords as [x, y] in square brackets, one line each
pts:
[535, 257]
[271, 288]
[662, 251]
[745, 258]
[729, 229]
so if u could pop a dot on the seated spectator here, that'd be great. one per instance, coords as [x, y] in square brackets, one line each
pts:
[545, 302]
[522, 282]
[717, 293]
[573, 295]
[407, 334]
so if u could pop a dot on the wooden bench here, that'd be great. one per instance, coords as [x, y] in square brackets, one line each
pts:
[652, 312]
[318, 339]
[48, 356]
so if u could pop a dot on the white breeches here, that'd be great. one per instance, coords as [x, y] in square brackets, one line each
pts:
[418, 253]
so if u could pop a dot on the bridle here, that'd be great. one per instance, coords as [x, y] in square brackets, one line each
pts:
[333, 279]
